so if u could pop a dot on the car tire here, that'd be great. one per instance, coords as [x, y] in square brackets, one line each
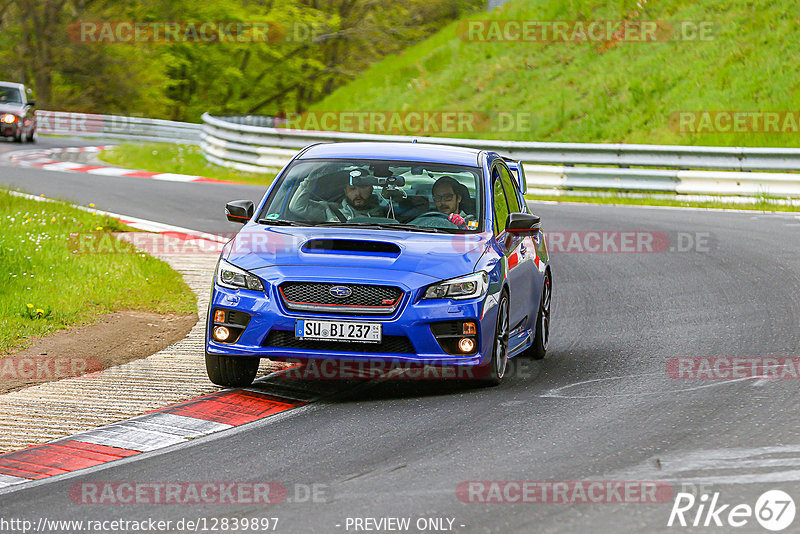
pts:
[32, 136]
[492, 373]
[541, 339]
[231, 371]
[18, 137]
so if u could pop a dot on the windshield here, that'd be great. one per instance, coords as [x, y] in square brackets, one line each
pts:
[10, 95]
[401, 195]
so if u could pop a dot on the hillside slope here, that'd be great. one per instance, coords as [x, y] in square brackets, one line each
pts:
[606, 91]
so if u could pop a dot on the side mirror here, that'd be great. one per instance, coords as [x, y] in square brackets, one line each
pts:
[239, 211]
[523, 223]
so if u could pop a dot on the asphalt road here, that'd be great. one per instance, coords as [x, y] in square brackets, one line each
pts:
[167, 202]
[600, 407]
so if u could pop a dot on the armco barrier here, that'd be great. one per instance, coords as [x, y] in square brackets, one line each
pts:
[116, 126]
[683, 169]
[248, 143]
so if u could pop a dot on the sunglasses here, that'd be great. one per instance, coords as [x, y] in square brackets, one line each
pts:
[447, 197]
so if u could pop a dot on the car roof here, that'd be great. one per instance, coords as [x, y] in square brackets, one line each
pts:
[426, 152]
[19, 86]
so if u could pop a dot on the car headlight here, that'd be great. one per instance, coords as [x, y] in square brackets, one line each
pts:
[8, 118]
[231, 276]
[464, 287]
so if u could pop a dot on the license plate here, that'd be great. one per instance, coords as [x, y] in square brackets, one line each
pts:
[338, 331]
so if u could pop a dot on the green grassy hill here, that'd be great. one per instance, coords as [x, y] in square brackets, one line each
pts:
[616, 91]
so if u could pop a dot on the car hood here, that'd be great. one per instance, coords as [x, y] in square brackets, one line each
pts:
[438, 256]
[11, 108]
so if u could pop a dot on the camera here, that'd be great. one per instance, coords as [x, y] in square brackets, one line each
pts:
[359, 180]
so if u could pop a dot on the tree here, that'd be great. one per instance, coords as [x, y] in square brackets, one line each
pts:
[314, 46]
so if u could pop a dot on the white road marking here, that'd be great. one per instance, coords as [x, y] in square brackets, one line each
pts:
[669, 208]
[45, 162]
[110, 171]
[752, 478]
[178, 425]
[129, 435]
[171, 177]
[62, 166]
[8, 480]
[752, 462]
[557, 393]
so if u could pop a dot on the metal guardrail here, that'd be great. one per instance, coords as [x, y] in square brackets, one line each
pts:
[563, 166]
[248, 143]
[256, 120]
[116, 126]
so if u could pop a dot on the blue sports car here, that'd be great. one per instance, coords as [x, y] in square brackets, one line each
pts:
[415, 253]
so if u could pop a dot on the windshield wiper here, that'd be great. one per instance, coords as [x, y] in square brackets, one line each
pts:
[280, 222]
[414, 227]
[378, 225]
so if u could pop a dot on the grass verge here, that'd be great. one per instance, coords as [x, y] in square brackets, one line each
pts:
[609, 91]
[178, 159]
[760, 204]
[46, 286]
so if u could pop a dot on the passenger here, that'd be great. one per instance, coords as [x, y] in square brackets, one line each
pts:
[447, 195]
[358, 201]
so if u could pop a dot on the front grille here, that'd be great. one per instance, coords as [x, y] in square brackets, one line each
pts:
[389, 344]
[363, 299]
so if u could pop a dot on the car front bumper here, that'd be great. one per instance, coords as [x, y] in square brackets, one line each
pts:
[411, 320]
[10, 129]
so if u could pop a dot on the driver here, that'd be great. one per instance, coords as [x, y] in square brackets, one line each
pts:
[358, 201]
[447, 195]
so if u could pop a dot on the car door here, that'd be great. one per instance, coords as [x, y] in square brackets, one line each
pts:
[524, 270]
[513, 249]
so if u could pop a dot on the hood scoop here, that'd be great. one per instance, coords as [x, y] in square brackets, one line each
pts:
[351, 247]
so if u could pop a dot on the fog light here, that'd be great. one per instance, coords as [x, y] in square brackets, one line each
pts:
[466, 344]
[221, 333]
[219, 316]
[469, 329]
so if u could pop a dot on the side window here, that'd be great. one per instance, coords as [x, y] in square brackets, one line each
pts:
[511, 191]
[500, 206]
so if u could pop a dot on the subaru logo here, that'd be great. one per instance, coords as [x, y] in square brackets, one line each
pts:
[340, 292]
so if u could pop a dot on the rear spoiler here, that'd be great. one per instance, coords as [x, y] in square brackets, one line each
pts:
[519, 172]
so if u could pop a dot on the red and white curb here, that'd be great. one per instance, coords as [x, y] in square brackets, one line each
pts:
[87, 445]
[48, 160]
[156, 430]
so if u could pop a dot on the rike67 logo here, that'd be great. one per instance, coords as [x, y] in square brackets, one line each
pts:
[774, 510]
